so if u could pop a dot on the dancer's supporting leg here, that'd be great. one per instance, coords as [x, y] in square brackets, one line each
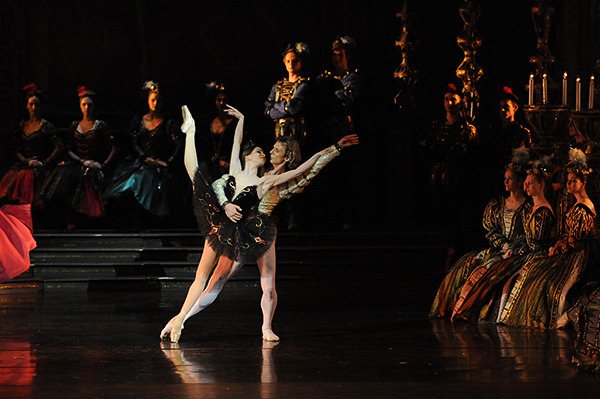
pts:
[207, 261]
[225, 271]
[266, 266]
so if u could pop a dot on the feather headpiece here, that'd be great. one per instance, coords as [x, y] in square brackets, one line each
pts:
[541, 168]
[300, 49]
[578, 163]
[520, 161]
[151, 87]
[214, 87]
[346, 42]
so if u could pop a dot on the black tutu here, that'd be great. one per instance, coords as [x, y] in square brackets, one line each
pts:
[248, 238]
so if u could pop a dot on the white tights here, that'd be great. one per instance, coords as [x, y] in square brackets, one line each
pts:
[225, 270]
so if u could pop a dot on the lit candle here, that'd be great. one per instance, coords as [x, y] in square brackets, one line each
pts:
[564, 91]
[578, 95]
[531, 84]
[591, 102]
[544, 89]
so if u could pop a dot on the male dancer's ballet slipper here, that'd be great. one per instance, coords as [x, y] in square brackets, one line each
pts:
[269, 335]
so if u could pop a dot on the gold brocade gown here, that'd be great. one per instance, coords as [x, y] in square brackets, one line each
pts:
[482, 293]
[539, 296]
[500, 230]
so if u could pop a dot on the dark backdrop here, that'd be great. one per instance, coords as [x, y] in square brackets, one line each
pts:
[114, 46]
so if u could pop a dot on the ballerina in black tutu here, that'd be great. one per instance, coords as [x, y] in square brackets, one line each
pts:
[236, 229]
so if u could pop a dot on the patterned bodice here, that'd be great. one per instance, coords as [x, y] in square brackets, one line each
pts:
[246, 199]
[538, 227]
[498, 231]
[581, 223]
[93, 143]
[39, 144]
[162, 142]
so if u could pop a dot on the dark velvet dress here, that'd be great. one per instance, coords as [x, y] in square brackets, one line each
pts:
[150, 185]
[71, 182]
[23, 183]
[216, 147]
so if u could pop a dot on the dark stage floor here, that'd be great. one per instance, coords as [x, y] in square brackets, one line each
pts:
[339, 340]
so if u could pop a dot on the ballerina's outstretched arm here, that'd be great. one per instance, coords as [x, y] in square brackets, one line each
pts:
[235, 165]
[188, 127]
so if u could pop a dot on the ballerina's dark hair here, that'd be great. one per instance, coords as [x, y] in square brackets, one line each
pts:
[247, 149]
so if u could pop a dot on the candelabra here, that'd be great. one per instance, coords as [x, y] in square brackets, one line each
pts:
[547, 121]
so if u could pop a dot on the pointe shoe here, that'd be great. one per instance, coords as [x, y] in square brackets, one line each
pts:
[269, 335]
[188, 126]
[176, 329]
[165, 333]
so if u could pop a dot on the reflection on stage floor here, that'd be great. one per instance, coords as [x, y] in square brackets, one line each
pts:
[336, 343]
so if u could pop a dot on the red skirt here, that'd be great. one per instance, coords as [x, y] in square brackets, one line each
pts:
[17, 185]
[16, 240]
